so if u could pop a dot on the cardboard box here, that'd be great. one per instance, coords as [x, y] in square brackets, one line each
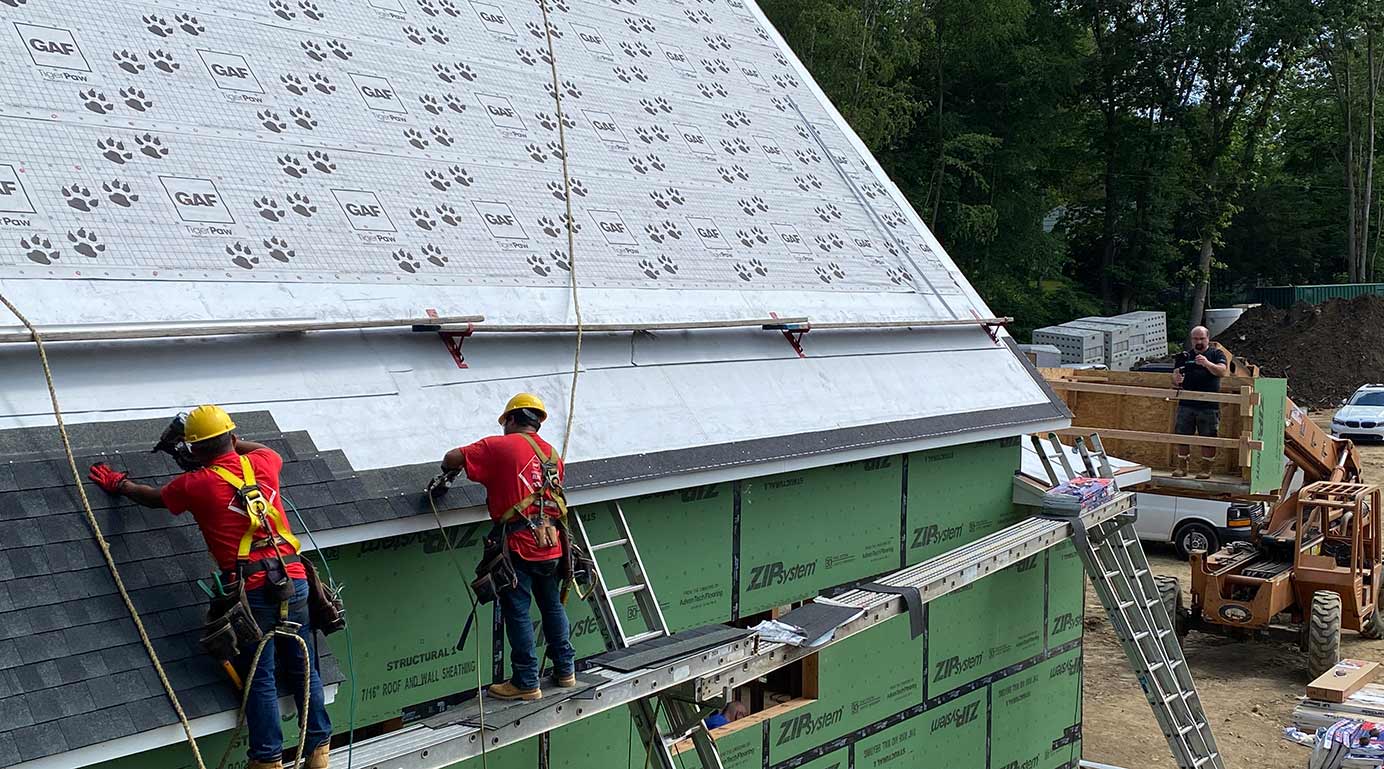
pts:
[1343, 680]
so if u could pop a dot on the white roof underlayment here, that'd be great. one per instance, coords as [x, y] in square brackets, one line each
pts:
[370, 159]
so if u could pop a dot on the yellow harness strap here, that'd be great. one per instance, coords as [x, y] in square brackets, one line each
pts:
[261, 513]
[550, 488]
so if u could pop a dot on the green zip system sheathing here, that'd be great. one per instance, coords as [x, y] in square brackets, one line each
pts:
[993, 683]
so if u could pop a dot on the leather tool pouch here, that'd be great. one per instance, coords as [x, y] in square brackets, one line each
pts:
[545, 533]
[230, 627]
[495, 573]
[325, 609]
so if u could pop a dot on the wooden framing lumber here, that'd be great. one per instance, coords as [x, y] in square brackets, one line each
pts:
[1148, 437]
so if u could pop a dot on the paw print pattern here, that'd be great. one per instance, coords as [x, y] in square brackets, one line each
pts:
[79, 197]
[894, 219]
[823, 274]
[659, 199]
[555, 149]
[525, 56]
[667, 264]
[437, 180]
[448, 215]
[136, 100]
[655, 232]
[442, 136]
[647, 267]
[560, 258]
[743, 272]
[242, 256]
[779, 104]
[128, 61]
[414, 35]
[311, 10]
[301, 205]
[822, 243]
[404, 260]
[754, 206]
[557, 190]
[86, 243]
[672, 230]
[292, 166]
[321, 161]
[727, 175]
[157, 25]
[164, 61]
[622, 74]
[759, 235]
[827, 212]
[322, 83]
[465, 72]
[539, 265]
[313, 50]
[729, 146]
[434, 255]
[189, 24]
[282, 9]
[808, 183]
[549, 227]
[536, 152]
[571, 224]
[271, 120]
[759, 268]
[430, 104]
[461, 176]
[423, 218]
[427, 7]
[836, 241]
[339, 50]
[96, 101]
[268, 208]
[293, 84]
[151, 146]
[119, 193]
[717, 42]
[278, 250]
[114, 150]
[836, 270]
[302, 118]
[640, 165]
[579, 188]
[746, 239]
[898, 277]
[39, 249]
[454, 103]
[444, 73]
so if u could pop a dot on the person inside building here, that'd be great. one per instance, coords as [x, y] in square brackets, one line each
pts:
[261, 555]
[522, 476]
[1202, 372]
[733, 711]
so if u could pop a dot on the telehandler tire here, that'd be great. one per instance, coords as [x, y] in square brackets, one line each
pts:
[1373, 626]
[1170, 593]
[1323, 633]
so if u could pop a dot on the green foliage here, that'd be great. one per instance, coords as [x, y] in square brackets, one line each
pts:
[1089, 146]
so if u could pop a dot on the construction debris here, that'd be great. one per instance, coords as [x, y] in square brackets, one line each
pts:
[1325, 351]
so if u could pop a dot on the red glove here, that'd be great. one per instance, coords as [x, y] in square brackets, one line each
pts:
[107, 477]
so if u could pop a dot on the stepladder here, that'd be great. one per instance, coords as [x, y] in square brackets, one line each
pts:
[1119, 571]
[671, 717]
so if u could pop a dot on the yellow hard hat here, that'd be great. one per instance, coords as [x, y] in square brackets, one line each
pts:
[205, 422]
[525, 401]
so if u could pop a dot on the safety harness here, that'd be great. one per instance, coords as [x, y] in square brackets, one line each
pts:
[549, 491]
[268, 528]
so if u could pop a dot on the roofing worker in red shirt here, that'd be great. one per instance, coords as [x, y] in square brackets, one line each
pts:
[265, 561]
[522, 475]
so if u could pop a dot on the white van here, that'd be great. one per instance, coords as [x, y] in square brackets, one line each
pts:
[1193, 524]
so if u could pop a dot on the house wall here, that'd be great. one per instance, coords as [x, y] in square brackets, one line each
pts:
[994, 682]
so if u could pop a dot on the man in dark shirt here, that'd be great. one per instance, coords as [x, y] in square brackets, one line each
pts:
[1200, 374]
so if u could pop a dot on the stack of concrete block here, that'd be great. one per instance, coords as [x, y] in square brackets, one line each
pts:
[1078, 346]
[1154, 326]
[1115, 338]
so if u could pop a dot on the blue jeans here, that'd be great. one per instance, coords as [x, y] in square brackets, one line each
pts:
[262, 707]
[540, 580]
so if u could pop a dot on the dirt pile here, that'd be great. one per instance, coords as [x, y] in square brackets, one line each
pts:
[1325, 351]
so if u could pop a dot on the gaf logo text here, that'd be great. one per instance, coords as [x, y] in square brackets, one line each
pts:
[13, 198]
[708, 232]
[378, 93]
[502, 113]
[54, 48]
[500, 220]
[230, 71]
[492, 18]
[364, 210]
[197, 200]
[613, 228]
[606, 127]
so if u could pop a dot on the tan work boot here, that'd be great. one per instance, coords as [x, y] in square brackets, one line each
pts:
[566, 682]
[1204, 466]
[508, 691]
[319, 757]
[1180, 466]
[276, 764]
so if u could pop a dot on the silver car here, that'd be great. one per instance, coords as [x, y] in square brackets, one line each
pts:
[1362, 415]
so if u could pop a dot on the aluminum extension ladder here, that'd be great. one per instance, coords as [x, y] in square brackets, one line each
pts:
[683, 717]
[1115, 562]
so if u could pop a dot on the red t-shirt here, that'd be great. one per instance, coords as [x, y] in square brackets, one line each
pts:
[208, 497]
[508, 468]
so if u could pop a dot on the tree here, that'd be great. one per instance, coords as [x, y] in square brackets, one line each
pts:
[1243, 51]
[1351, 54]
